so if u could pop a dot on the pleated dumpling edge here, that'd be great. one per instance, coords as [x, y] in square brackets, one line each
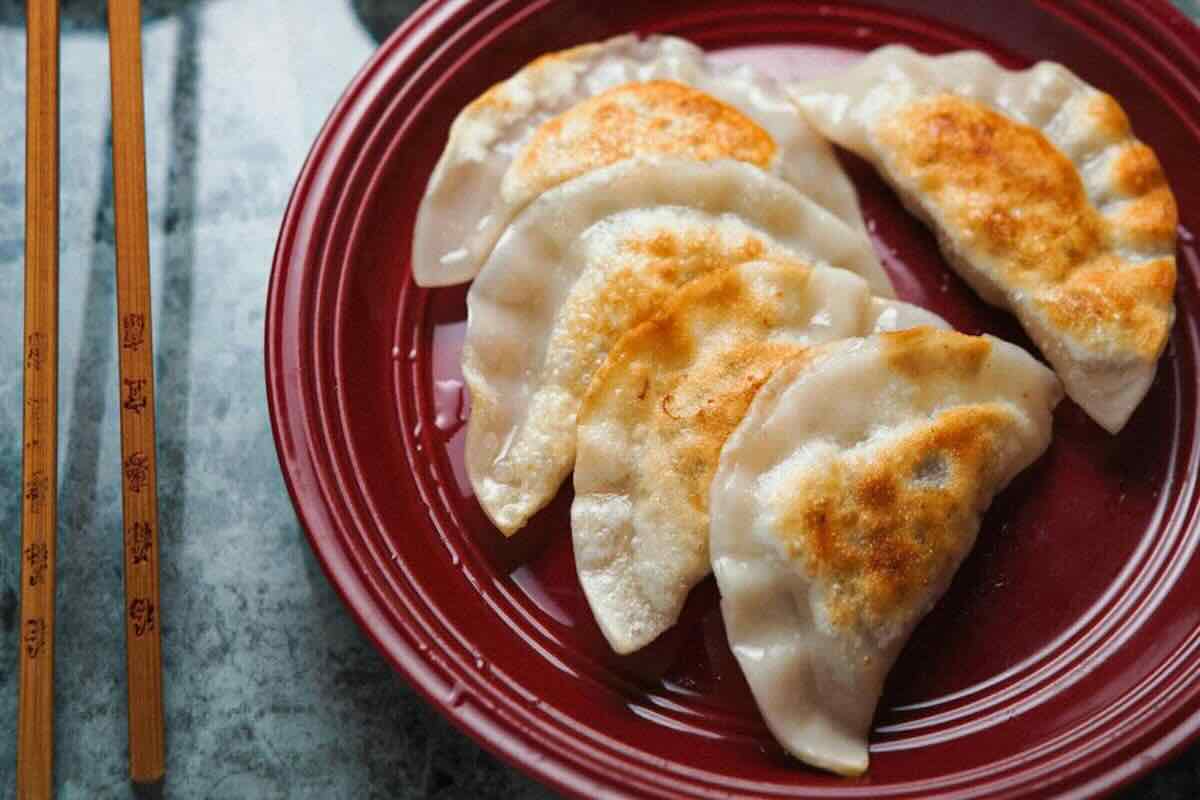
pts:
[586, 261]
[842, 506]
[1041, 196]
[659, 410]
[570, 112]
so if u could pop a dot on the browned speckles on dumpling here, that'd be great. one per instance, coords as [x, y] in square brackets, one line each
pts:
[651, 427]
[568, 113]
[844, 502]
[636, 119]
[1041, 198]
[585, 262]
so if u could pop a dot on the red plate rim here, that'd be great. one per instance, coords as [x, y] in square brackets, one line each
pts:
[296, 415]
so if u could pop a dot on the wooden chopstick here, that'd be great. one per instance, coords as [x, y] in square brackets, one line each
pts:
[139, 482]
[39, 472]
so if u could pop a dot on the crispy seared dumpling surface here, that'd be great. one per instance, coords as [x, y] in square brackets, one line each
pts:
[1041, 197]
[648, 118]
[842, 506]
[581, 109]
[584, 262]
[658, 411]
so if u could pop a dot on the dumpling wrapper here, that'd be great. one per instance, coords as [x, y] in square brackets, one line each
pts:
[571, 112]
[1041, 197]
[843, 504]
[658, 411]
[585, 262]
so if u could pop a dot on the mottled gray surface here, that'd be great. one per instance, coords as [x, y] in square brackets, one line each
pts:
[271, 690]
[1191, 7]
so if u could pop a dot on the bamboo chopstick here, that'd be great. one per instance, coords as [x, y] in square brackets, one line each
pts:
[139, 483]
[39, 472]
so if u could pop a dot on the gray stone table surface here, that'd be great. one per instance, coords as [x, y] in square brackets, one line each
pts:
[271, 689]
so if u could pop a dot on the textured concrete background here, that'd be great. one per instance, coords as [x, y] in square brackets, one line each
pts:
[271, 690]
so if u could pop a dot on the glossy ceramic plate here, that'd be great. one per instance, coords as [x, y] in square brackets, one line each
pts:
[1064, 660]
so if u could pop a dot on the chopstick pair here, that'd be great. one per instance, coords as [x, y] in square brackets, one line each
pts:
[143, 643]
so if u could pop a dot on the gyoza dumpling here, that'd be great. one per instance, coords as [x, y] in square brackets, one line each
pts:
[658, 411]
[1041, 197]
[588, 260]
[843, 504]
[571, 112]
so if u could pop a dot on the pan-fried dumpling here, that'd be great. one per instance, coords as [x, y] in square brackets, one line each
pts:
[658, 411]
[843, 504]
[583, 263]
[571, 112]
[1042, 199]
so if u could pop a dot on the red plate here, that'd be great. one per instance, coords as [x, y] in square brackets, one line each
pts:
[1064, 658]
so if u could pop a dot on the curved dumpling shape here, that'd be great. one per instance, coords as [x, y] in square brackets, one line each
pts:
[843, 504]
[658, 411]
[572, 112]
[1041, 197]
[583, 263]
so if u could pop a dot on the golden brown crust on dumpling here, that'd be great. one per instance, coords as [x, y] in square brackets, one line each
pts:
[694, 403]
[1148, 220]
[877, 531]
[497, 96]
[1002, 183]
[657, 265]
[735, 377]
[1041, 197]
[1138, 295]
[1107, 117]
[1137, 170]
[1008, 192]
[649, 118]
[920, 353]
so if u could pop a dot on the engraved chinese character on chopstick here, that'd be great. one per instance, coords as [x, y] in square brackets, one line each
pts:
[135, 394]
[34, 637]
[137, 471]
[37, 557]
[141, 613]
[34, 349]
[133, 331]
[142, 543]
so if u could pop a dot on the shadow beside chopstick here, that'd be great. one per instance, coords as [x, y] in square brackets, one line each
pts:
[91, 375]
[173, 327]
